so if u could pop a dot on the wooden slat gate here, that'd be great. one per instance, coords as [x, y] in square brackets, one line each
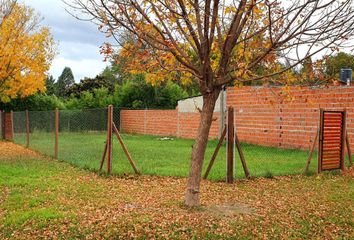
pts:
[331, 140]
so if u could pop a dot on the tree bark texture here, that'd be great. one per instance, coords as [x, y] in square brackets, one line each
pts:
[192, 197]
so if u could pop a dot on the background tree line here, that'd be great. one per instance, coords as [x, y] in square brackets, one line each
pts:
[114, 86]
[109, 87]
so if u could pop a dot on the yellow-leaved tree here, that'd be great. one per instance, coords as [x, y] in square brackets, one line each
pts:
[26, 51]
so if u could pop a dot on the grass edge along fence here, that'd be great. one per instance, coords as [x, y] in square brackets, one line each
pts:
[79, 137]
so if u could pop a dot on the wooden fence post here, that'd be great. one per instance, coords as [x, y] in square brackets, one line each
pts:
[27, 129]
[344, 133]
[320, 140]
[109, 138]
[56, 133]
[12, 126]
[230, 146]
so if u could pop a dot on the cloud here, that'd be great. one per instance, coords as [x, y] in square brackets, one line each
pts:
[80, 68]
[78, 41]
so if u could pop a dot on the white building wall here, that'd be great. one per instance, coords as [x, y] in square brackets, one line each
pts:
[191, 105]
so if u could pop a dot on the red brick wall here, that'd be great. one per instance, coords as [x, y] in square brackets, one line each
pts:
[164, 123]
[289, 119]
[151, 122]
[161, 122]
[265, 116]
[8, 128]
[189, 122]
[132, 121]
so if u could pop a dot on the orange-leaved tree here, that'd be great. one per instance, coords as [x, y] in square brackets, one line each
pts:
[26, 51]
[215, 43]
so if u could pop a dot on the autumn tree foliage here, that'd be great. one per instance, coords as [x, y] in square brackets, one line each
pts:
[26, 51]
[214, 43]
[335, 63]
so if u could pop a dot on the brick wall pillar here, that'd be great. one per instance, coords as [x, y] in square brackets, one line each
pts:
[1, 125]
[8, 126]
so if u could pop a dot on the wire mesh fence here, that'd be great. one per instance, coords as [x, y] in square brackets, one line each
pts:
[41, 130]
[82, 135]
[19, 126]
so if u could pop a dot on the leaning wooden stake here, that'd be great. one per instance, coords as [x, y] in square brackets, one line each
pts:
[232, 138]
[27, 129]
[107, 152]
[132, 163]
[311, 152]
[348, 149]
[242, 157]
[56, 133]
[103, 155]
[212, 160]
[230, 146]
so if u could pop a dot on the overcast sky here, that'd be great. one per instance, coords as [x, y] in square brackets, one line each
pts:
[78, 41]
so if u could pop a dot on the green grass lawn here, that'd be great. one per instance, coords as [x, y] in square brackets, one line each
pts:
[42, 198]
[166, 158]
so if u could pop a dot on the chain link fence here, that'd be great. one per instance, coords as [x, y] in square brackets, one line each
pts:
[42, 131]
[41, 127]
[82, 135]
[19, 126]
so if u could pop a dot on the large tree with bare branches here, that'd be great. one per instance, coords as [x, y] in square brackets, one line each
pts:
[215, 43]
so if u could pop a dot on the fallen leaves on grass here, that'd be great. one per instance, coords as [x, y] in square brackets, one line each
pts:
[152, 207]
[9, 150]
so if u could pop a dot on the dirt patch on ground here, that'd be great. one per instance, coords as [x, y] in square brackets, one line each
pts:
[229, 209]
[9, 150]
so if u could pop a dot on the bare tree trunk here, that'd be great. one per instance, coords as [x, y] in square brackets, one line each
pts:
[193, 186]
